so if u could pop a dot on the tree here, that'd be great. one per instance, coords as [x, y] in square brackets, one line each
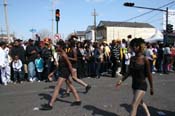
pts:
[44, 33]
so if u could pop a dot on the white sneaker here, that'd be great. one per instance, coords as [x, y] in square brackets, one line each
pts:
[5, 83]
[35, 79]
[9, 81]
[31, 80]
[120, 75]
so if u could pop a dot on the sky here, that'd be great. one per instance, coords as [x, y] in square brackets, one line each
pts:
[75, 15]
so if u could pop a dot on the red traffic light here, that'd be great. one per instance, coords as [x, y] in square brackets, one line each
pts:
[57, 14]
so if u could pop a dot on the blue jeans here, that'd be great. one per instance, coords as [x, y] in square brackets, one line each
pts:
[98, 67]
[16, 75]
[31, 71]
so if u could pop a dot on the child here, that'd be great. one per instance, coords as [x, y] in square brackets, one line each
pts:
[39, 64]
[17, 65]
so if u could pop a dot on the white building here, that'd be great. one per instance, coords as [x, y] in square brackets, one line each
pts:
[4, 37]
[110, 30]
[80, 35]
[89, 34]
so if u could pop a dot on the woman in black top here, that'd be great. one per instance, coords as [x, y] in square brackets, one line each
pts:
[72, 56]
[65, 69]
[139, 69]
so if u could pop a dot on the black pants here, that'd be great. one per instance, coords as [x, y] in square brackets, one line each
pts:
[115, 65]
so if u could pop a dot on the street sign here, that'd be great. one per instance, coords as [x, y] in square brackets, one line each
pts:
[32, 30]
[57, 36]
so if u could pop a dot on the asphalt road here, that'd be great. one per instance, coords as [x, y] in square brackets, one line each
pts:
[102, 100]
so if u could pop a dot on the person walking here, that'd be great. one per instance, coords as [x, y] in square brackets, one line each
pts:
[139, 69]
[72, 56]
[65, 69]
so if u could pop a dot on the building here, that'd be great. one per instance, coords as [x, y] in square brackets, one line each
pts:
[111, 30]
[89, 34]
[80, 35]
[3, 37]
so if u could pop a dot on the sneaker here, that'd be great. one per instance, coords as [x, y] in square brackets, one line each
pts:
[65, 95]
[46, 107]
[21, 82]
[5, 83]
[76, 103]
[34, 79]
[9, 81]
[88, 87]
[31, 80]
[97, 77]
[120, 75]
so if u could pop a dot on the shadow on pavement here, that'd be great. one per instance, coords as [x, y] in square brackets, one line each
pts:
[97, 111]
[48, 98]
[153, 111]
[63, 90]
[50, 87]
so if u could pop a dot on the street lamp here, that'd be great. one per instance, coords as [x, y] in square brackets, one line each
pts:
[129, 4]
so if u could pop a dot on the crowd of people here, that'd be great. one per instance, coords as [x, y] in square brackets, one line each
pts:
[34, 60]
[42, 60]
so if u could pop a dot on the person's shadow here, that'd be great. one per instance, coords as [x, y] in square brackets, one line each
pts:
[153, 111]
[97, 111]
[48, 97]
[50, 87]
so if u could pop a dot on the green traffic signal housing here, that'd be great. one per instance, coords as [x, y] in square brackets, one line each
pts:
[169, 28]
[57, 14]
[128, 4]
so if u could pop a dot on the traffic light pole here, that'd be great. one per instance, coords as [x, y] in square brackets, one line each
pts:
[166, 26]
[157, 9]
[57, 27]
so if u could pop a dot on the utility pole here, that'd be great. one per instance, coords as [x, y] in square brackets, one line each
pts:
[2, 33]
[52, 18]
[6, 21]
[94, 14]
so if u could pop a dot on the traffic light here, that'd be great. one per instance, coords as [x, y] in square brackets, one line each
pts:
[169, 28]
[128, 4]
[57, 15]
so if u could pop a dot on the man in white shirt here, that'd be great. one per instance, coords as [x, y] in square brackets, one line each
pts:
[4, 65]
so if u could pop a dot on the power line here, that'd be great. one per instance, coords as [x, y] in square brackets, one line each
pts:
[150, 18]
[149, 11]
[156, 20]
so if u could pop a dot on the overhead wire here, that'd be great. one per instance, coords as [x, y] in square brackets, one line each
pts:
[149, 11]
[151, 20]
